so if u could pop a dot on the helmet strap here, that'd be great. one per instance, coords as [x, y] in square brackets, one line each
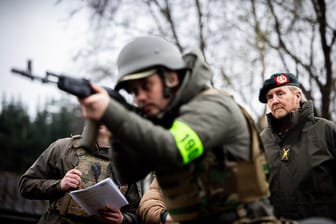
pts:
[166, 90]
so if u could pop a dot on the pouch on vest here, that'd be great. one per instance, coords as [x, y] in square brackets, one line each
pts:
[195, 191]
[250, 175]
[93, 170]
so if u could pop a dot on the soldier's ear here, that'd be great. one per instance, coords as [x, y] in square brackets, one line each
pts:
[171, 79]
[298, 94]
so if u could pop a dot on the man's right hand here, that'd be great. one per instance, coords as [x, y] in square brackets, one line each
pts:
[94, 106]
[71, 180]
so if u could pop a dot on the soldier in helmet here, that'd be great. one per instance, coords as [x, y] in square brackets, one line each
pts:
[195, 138]
[301, 151]
[65, 166]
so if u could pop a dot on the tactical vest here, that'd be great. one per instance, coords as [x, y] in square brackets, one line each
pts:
[94, 169]
[205, 188]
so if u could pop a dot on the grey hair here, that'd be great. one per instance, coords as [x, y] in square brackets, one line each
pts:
[296, 89]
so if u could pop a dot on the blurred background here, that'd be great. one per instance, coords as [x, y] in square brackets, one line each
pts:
[244, 41]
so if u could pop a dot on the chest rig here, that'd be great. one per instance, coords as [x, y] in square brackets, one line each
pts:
[207, 187]
[94, 169]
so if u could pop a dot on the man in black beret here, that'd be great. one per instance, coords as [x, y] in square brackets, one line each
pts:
[277, 80]
[301, 152]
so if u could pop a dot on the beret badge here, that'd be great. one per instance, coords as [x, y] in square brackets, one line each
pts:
[277, 80]
[281, 79]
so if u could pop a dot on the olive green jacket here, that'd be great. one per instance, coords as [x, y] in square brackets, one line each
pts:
[150, 146]
[216, 118]
[42, 180]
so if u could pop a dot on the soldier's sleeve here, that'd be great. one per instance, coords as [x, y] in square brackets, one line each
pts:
[152, 205]
[129, 211]
[40, 181]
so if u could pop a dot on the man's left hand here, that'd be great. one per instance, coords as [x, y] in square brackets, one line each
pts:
[111, 215]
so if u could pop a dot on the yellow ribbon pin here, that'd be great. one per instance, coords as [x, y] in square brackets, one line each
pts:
[284, 154]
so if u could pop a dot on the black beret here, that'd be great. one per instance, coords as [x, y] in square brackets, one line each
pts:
[277, 80]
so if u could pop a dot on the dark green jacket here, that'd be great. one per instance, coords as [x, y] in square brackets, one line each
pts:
[305, 184]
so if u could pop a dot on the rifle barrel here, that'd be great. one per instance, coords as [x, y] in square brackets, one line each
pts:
[28, 75]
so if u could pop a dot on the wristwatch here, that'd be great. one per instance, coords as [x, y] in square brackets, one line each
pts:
[163, 216]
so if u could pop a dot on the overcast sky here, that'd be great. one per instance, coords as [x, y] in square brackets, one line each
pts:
[41, 31]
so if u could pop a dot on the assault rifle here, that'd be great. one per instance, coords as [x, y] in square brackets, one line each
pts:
[79, 87]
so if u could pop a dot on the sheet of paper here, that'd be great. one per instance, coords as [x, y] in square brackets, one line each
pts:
[97, 196]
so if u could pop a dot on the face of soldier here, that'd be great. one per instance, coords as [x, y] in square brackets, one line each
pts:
[282, 100]
[148, 94]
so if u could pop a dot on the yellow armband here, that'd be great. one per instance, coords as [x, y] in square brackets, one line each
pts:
[187, 141]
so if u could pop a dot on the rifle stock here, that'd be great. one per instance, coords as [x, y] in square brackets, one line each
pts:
[89, 135]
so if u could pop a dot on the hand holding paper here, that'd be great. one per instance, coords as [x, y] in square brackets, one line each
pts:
[97, 196]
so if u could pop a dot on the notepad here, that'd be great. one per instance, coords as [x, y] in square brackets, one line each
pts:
[96, 197]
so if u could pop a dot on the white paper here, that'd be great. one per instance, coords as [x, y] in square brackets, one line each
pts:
[97, 196]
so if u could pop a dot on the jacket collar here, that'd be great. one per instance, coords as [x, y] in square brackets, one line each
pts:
[297, 117]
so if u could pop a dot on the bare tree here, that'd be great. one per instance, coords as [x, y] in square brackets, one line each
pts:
[243, 41]
[303, 33]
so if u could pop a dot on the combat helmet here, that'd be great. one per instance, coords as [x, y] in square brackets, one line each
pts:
[139, 58]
